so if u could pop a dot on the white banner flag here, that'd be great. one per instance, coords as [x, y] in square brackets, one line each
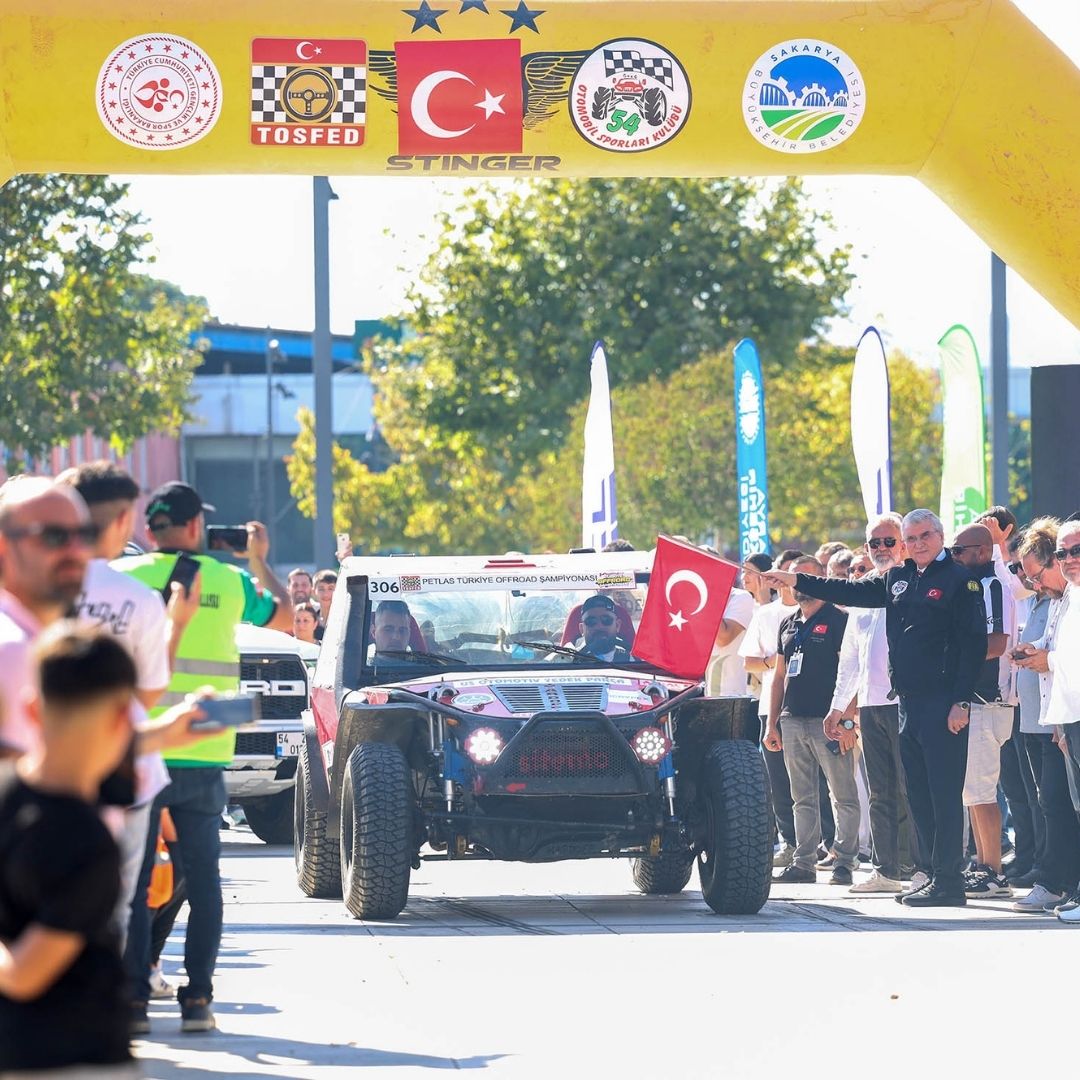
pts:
[870, 435]
[599, 522]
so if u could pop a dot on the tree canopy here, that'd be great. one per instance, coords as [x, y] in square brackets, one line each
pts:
[88, 341]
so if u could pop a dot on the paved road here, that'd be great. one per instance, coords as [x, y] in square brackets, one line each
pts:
[566, 971]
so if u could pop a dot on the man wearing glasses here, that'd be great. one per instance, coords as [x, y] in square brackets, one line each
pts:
[1063, 708]
[46, 540]
[598, 621]
[936, 630]
[863, 675]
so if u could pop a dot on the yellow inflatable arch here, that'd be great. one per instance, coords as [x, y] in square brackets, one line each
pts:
[966, 95]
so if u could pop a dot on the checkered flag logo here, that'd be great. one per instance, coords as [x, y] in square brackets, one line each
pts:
[267, 80]
[656, 67]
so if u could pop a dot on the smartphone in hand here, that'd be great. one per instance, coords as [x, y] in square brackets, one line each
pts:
[228, 710]
[231, 538]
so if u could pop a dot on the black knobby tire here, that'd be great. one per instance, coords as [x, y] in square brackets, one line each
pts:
[377, 838]
[735, 852]
[654, 106]
[270, 817]
[601, 102]
[318, 864]
[668, 872]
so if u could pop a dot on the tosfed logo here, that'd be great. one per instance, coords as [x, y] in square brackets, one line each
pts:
[308, 92]
[629, 95]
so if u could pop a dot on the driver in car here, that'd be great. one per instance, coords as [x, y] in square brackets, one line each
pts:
[599, 619]
[391, 629]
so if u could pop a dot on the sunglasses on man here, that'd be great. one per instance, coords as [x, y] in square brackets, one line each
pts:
[881, 541]
[959, 549]
[1015, 567]
[600, 620]
[1067, 553]
[56, 537]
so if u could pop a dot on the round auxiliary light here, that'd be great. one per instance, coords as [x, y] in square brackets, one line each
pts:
[650, 745]
[483, 746]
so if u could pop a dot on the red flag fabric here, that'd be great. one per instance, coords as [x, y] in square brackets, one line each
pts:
[688, 592]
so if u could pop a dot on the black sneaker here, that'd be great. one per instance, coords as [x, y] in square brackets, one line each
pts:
[986, 885]
[795, 875]
[138, 1021]
[196, 1014]
[841, 875]
[935, 895]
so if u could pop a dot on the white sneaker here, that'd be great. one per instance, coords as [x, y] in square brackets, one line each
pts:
[783, 856]
[1069, 915]
[877, 882]
[1035, 902]
[160, 987]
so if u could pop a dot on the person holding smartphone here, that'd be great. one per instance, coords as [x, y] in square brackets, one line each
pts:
[207, 657]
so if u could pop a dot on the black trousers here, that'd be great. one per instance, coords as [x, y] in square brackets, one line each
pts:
[935, 761]
[1022, 795]
[890, 819]
[1059, 870]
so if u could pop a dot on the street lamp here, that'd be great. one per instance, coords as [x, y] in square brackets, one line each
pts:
[273, 353]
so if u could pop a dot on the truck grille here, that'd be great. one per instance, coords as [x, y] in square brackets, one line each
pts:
[260, 743]
[530, 698]
[271, 669]
[556, 751]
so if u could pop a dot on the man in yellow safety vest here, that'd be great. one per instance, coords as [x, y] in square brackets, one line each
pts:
[207, 656]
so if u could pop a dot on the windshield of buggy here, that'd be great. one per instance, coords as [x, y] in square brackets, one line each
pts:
[495, 627]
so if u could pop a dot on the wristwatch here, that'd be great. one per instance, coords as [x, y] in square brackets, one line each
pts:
[848, 725]
[965, 705]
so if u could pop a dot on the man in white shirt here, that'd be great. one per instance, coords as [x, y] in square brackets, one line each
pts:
[136, 616]
[758, 651]
[1063, 707]
[863, 676]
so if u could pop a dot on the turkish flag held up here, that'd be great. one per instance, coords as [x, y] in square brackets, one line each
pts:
[459, 97]
[688, 591]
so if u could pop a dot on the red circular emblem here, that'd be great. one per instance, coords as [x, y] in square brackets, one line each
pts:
[933, 594]
[158, 92]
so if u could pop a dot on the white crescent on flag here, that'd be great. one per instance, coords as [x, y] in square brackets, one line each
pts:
[691, 578]
[421, 104]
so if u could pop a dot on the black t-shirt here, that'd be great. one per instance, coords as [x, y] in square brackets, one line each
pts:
[818, 638]
[60, 868]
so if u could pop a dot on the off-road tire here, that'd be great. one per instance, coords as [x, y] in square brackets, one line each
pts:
[270, 817]
[668, 872]
[734, 854]
[377, 842]
[601, 102]
[654, 106]
[318, 864]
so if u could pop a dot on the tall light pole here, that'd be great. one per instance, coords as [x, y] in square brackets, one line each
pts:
[273, 352]
[322, 364]
[999, 382]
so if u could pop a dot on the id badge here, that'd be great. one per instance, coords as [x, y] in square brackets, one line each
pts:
[794, 665]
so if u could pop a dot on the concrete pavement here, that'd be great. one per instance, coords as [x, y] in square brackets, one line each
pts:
[565, 970]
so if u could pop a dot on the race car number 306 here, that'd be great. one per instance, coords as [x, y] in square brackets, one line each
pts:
[381, 588]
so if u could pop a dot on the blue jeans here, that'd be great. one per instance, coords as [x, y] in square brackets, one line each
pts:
[195, 799]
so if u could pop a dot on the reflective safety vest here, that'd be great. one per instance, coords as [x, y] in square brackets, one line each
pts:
[207, 655]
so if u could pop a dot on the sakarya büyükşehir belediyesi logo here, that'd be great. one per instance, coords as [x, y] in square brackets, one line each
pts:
[803, 96]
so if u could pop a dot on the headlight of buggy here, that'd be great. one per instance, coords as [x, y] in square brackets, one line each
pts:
[483, 746]
[650, 745]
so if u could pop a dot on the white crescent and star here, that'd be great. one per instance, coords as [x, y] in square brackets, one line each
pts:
[307, 45]
[678, 620]
[420, 106]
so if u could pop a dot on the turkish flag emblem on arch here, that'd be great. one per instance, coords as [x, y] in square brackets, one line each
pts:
[688, 592]
[459, 97]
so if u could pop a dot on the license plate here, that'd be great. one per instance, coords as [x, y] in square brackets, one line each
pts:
[288, 743]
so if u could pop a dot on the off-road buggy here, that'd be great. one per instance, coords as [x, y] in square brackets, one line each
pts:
[493, 733]
[649, 101]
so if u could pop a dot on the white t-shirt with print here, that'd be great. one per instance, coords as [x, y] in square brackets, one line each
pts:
[726, 676]
[133, 614]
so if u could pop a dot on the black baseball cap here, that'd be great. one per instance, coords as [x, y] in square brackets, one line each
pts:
[176, 502]
[598, 601]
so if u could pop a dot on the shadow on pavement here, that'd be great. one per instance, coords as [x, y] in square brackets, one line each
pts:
[276, 1053]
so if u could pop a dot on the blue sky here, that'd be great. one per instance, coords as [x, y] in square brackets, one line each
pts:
[245, 244]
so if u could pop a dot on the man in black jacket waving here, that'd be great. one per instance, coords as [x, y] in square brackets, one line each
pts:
[936, 630]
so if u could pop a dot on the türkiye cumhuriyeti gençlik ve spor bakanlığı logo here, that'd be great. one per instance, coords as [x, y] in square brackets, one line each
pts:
[803, 96]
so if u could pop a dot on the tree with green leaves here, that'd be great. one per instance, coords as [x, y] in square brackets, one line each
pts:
[88, 340]
[484, 385]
